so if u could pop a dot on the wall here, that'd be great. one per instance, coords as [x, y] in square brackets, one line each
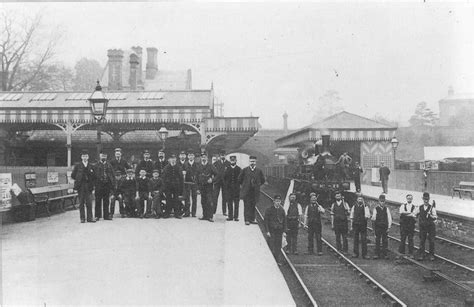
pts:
[437, 182]
[18, 174]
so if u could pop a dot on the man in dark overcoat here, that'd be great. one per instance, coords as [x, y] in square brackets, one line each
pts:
[84, 178]
[250, 179]
[232, 189]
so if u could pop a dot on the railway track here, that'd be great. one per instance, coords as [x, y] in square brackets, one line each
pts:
[455, 281]
[313, 272]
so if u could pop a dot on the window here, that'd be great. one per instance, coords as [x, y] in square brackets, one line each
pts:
[79, 96]
[116, 96]
[43, 97]
[151, 96]
[11, 97]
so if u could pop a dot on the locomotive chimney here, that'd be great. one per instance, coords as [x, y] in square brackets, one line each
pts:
[325, 136]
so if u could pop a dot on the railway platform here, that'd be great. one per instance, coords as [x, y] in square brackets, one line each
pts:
[59, 261]
[462, 208]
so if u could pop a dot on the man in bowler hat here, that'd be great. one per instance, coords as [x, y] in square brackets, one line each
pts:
[250, 179]
[232, 189]
[84, 177]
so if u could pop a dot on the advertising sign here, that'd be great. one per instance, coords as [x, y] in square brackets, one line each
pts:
[53, 177]
[5, 196]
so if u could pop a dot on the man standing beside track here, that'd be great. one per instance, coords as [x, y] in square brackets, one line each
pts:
[427, 217]
[313, 219]
[251, 178]
[408, 213]
[275, 224]
[360, 214]
[382, 223]
[339, 213]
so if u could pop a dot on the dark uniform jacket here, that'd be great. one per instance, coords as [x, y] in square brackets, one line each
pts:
[173, 178]
[146, 165]
[128, 186]
[155, 185]
[275, 219]
[384, 172]
[251, 179]
[205, 172]
[121, 165]
[83, 176]
[220, 168]
[181, 164]
[191, 172]
[104, 175]
[231, 181]
[160, 165]
[143, 184]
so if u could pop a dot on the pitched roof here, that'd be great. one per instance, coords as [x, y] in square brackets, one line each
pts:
[346, 120]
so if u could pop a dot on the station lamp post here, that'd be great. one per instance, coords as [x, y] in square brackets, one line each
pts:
[163, 132]
[98, 103]
[394, 143]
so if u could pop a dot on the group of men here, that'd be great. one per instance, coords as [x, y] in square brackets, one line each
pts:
[166, 187]
[355, 218]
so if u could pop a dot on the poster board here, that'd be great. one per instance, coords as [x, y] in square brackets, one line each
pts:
[53, 177]
[5, 196]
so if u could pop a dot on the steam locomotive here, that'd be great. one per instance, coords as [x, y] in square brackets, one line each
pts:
[322, 175]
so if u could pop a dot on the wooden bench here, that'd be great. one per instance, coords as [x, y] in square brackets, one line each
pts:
[44, 196]
[464, 186]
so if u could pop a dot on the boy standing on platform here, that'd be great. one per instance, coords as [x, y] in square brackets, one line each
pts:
[339, 214]
[275, 224]
[128, 187]
[382, 222]
[360, 214]
[293, 217]
[408, 213]
[427, 216]
[154, 189]
[143, 192]
[117, 195]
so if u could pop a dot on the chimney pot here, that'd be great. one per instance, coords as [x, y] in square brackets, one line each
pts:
[151, 62]
[115, 68]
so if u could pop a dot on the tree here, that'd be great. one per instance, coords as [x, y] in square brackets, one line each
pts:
[328, 104]
[87, 71]
[24, 50]
[54, 77]
[423, 116]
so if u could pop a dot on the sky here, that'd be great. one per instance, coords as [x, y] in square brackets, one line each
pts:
[270, 57]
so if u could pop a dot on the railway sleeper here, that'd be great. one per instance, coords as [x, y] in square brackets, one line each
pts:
[432, 277]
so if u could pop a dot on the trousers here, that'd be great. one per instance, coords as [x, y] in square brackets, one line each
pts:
[314, 231]
[360, 232]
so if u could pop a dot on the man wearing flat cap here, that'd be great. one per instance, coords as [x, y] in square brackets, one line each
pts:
[118, 163]
[206, 177]
[173, 187]
[147, 164]
[221, 164]
[116, 193]
[382, 221]
[250, 179]
[103, 185]
[426, 219]
[84, 177]
[275, 225]
[232, 189]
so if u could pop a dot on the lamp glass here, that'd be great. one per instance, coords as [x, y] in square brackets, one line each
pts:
[394, 142]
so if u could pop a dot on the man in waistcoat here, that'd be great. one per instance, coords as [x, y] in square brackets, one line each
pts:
[339, 213]
[147, 164]
[250, 179]
[426, 220]
[382, 221]
[275, 224]
[293, 216]
[161, 162]
[118, 163]
[191, 168]
[360, 214]
[221, 164]
[232, 188]
[173, 185]
[408, 213]
[313, 220]
[84, 177]
[206, 176]
[103, 185]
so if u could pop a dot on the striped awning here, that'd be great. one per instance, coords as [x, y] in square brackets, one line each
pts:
[313, 135]
[114, 115]
[232, 124]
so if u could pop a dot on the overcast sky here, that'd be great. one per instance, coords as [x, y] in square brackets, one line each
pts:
[271, 57]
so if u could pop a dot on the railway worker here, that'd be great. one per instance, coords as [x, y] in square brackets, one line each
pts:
[118, 163]
[382, 221]
[426, 219]
[155, 188]
[313, 219]
[161, 162]
[339, 213]
[384, 172]
[84, 177]
[293, 216]
[250, 179]
[408, 213]
[221, 165]
[147, 164]
[128, 187]
[232, 188]
[143, 192]
[360, 214]
[275, 225]
[104, 181]
[344, 162]
[191, 168]
[356, 171]
[173, 183]
[206, 176]
[181, 159]
[116, 193]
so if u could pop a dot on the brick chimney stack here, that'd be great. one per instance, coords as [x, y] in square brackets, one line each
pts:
[285, 122]
[139, 52]
[115, 68]
[151, 62]
[134, 71]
